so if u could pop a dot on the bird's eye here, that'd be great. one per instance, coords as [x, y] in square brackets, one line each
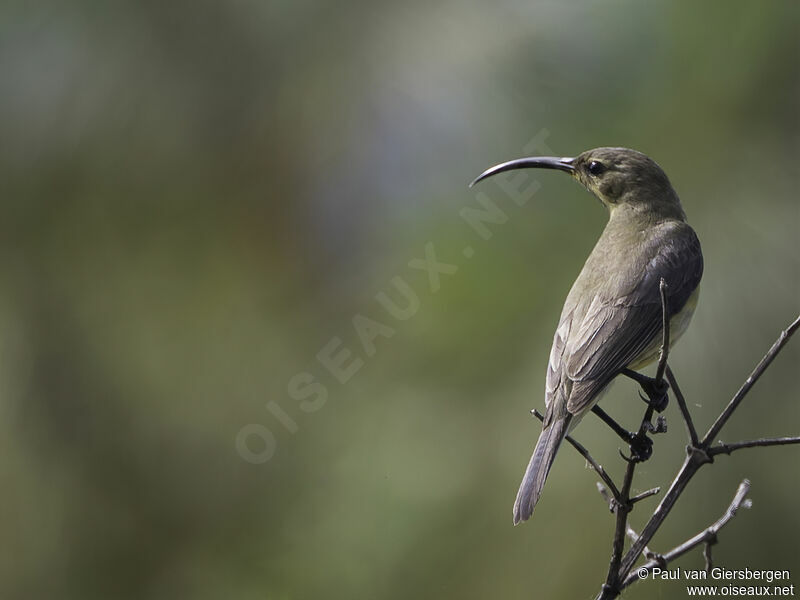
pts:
[596, 168]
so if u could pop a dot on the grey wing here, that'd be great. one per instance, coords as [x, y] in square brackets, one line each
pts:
[616, 330]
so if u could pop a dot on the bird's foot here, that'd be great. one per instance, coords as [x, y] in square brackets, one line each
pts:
[656, 391]
[641, 448]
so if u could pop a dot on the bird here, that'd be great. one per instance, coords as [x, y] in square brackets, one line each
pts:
[612, 319]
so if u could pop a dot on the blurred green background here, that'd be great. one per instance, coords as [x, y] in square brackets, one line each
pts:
[199, 196]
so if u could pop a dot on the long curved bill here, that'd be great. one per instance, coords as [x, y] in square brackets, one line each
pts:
[534, 162]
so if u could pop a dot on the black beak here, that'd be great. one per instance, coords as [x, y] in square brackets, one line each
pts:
[534, 162]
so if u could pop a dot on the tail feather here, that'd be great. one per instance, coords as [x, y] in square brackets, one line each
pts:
[539, 466]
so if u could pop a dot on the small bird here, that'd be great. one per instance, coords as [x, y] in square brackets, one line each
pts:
[611, 322]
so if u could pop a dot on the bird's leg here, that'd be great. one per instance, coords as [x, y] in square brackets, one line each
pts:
[625, 435]
[641, 446]
[656, 390]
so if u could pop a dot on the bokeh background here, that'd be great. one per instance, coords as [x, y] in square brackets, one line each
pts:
[197, 197]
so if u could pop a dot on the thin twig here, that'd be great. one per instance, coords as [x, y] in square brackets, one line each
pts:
[643, 495]
[607, 496]
[687, 418]
[728, 448]
[662, 359]
[784, 337]
[612, 587]
[585, 454]
[708, 534]
[707, 555]
[647, 552]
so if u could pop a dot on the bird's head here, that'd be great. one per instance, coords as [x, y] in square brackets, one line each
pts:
[616, 176]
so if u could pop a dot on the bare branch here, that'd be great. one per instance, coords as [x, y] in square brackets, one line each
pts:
[690, 466]
[612, 587]
[687, 418]
[698, 456]
[707, 535]
[728, 448]
[784, 337]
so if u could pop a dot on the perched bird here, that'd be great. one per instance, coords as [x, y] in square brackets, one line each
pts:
[612, 318]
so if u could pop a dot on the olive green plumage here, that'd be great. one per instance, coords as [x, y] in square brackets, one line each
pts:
[612, 317]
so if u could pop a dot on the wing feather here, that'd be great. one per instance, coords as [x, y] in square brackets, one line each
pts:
[593, 345]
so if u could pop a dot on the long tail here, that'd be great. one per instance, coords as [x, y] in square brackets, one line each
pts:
[536, 474]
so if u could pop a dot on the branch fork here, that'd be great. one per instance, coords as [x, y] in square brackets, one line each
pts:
[700, 451]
